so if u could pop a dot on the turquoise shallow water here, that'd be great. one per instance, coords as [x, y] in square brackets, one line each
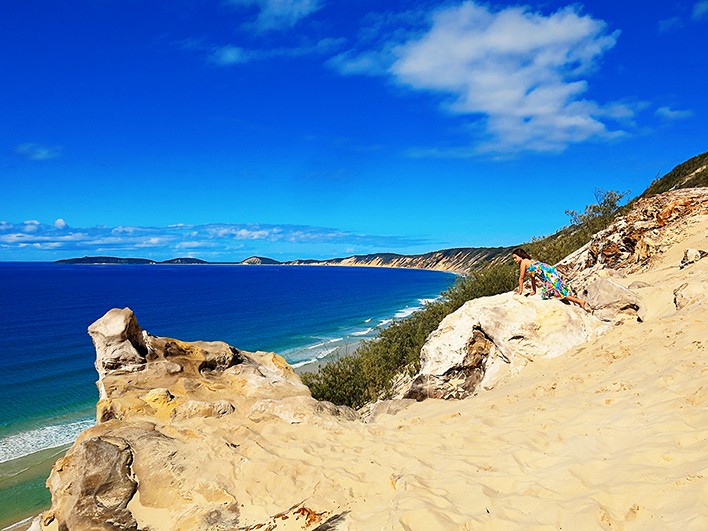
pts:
[48, 388]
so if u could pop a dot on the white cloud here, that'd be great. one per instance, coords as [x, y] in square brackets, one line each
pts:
[672, 114]
[215, 239]
[280, 14]
[191, 245]
[32, 151]
[229, 55]
[245, 234]
[154, 241]
[371, 63]
[31, 225]
[700, 10]
[60, 224]
[523, 75]
[670, 24]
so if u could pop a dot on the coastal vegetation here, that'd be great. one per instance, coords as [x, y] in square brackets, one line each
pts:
[370, 372]
[691, 174]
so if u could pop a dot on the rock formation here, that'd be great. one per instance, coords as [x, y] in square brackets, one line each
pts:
[491, 336]
[631, 242]
[159, 397]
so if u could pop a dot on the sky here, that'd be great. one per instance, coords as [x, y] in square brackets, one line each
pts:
[222, 129]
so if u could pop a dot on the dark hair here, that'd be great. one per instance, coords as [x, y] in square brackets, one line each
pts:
[521, 253]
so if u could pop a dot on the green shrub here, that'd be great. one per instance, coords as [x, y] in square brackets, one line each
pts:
[369, 372]
[691, 174]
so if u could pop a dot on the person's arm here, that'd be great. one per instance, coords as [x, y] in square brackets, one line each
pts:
[522, 273]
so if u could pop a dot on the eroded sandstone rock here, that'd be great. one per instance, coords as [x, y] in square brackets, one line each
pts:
[487, 337]
[119, 343]
[691, 256]
[459, 380]
[170, 414]
[688, 294]
[95, 494]
[631, 242]
[612, 302]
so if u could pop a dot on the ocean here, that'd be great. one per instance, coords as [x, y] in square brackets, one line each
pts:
[48, 391]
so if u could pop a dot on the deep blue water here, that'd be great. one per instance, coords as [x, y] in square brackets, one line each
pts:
[47, 391]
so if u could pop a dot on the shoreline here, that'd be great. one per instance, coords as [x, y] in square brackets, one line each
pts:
[339, 352]
[352, 340]
[23, 482]
[28, 473]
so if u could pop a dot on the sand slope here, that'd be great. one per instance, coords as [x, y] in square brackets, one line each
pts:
[611, 435]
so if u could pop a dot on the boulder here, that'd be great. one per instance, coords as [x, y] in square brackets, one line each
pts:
[688, 294]
[94, 495]
[119, 343]
[691, 256]
[486, 337]
[612, 302]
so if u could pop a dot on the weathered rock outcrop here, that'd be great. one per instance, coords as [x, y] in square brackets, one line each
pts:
[486, 337]
[612, 302]
[631, 242]
[159, 397]
[491, 336]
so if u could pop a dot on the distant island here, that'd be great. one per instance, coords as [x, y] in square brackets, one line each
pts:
[127, 261]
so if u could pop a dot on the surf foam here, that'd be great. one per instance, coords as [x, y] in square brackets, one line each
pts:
[42, 438]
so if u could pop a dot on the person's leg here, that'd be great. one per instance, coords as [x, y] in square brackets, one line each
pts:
[580, 302]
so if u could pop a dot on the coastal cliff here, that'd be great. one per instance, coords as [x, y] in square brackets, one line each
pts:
[462, 260]
[569, 420]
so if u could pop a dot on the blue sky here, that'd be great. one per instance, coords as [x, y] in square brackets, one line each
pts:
[311, 129]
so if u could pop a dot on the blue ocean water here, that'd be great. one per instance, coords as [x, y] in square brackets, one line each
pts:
[48, 388]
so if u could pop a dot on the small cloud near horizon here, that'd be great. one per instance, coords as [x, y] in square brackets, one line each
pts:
[218, 240]
[672, 114]
[34, 151]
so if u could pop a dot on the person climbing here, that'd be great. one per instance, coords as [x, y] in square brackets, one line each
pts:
[552, 286]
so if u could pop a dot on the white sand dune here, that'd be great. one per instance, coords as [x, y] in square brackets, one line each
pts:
[612, 435]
